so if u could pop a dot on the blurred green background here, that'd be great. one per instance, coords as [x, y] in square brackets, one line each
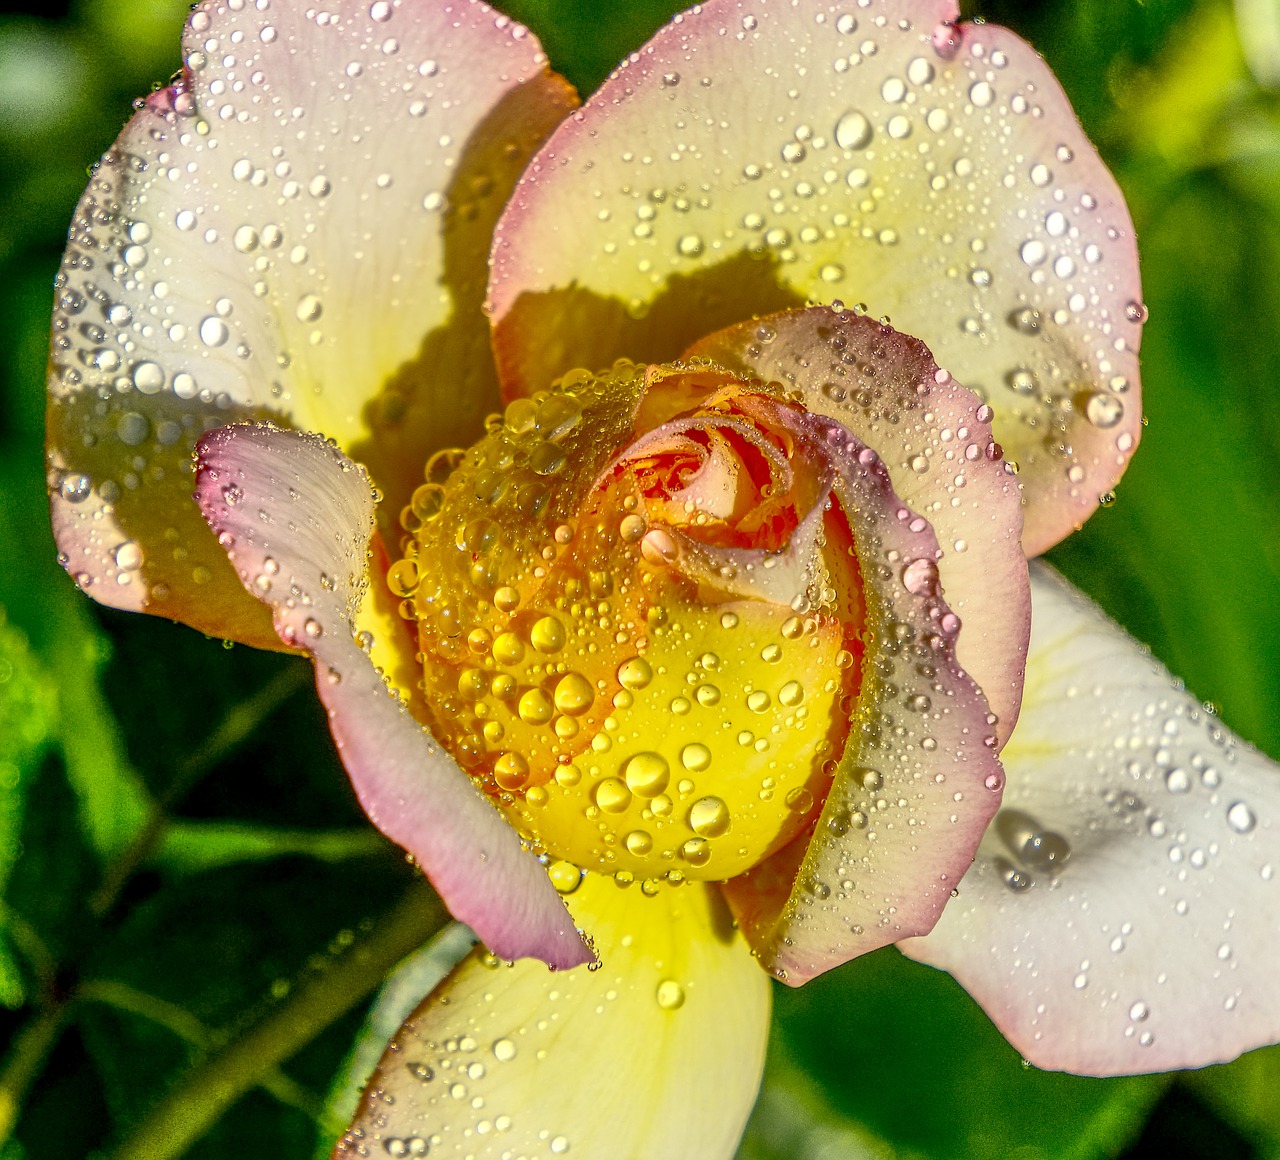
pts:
[194, 913]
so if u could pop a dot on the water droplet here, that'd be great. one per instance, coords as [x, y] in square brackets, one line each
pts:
[853, 131]
[647, 774]
[213, 331]
[919, 71]
[893, 90]
[920, 577]
[132, 428]
[635, 673]
[565, 877]
[670, 995]
[148, 377]
[612, 795]
[511, 771]
[1241, 818]
[1015, 879]
[1033, 252]
[709, 817]
[799, 800]
[981, 94]
[1103, 409]
[696, 851]
[547, 635]
[309, 308]
[574, 694]
[632, 528]
[535, 707]
[639, 842]
[1177, 780]
[1045, 851]
[128, 556]
[695, 757]
[402, 578]
[791, 694]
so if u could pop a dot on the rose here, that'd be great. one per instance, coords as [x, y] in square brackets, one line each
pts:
[154, 338]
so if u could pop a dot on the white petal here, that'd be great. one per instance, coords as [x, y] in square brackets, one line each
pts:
[1121, 916]
[297, 229]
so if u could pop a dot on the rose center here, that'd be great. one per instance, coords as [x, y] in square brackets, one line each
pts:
[651, 664]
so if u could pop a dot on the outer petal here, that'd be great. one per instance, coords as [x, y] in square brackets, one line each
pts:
[297, 228]
[656, 1054]
[295, 516]
[935, 439]
[760, 153]
[919, 779]
[1121, 916]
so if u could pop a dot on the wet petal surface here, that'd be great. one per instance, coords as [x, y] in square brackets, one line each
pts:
[656, 1054]
[919, 778]
[758, 155]
[231, 259]
[295, 516]
[1120, 916]
[934, 438]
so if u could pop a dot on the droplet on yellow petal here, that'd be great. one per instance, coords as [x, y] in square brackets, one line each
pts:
[691, 546]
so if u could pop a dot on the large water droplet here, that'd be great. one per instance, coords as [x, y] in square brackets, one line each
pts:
[853, 131]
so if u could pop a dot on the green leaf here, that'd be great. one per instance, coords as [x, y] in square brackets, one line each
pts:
[28, 708]
[899, 1048]
[222, 949]
[1244, 1094]
[190, 847]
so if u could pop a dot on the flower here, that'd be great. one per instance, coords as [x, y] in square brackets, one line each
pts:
[623, 545]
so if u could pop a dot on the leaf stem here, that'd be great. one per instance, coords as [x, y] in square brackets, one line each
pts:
[194, 1105]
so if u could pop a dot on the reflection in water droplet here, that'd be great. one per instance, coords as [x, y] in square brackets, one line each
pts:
[1103, 409]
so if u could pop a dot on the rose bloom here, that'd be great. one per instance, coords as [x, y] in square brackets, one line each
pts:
[670, 611]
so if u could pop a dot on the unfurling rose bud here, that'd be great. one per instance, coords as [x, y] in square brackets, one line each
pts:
[641, 617]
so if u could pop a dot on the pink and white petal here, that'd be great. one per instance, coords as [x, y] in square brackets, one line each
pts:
[656, 1054]
[760, 154]
[298, 228]
[1121, 915]
[919, 778]
[935, 439]
[294, 516]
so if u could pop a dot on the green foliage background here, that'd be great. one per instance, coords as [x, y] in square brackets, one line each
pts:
[194, 914]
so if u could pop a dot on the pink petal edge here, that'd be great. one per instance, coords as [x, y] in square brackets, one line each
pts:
[919, 779]
[1012, 255]
[935, 440]
[295, 516]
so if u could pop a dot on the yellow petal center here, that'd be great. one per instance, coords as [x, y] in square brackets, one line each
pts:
[639, 617]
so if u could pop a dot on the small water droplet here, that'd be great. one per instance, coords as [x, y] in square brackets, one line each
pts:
[1241, 818]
